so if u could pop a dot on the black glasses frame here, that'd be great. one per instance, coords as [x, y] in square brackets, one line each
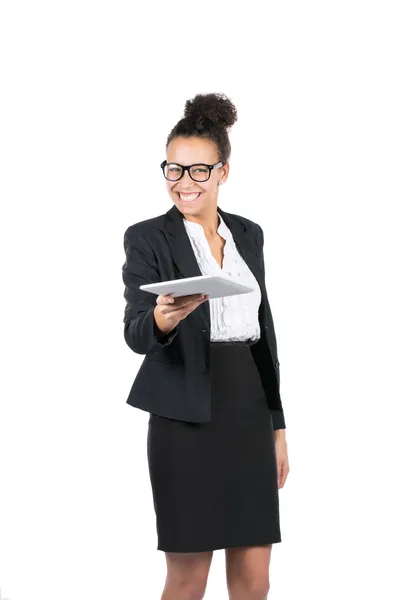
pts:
[188, 167]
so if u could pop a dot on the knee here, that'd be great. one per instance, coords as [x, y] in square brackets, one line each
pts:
[259, 591]
[193, 589]
[251, 590]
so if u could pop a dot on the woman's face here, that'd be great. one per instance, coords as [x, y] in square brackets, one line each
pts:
[192, 197]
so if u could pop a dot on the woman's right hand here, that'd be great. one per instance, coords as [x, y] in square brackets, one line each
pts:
[169, 311]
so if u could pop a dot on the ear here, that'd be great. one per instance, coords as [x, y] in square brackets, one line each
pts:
[224, 172]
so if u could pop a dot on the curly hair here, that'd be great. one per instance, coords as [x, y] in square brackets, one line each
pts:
[208, 116]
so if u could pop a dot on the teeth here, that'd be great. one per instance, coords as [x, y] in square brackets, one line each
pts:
[189, 197]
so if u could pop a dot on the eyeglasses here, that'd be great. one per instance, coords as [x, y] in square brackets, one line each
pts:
[197, 172]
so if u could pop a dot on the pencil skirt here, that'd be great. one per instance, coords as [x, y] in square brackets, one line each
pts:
[214, 484]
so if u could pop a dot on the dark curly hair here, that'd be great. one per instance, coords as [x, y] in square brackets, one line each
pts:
[208, 116]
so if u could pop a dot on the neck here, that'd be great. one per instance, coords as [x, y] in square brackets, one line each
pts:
[209, 222]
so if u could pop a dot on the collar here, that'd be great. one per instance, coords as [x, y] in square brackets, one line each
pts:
[197, 231]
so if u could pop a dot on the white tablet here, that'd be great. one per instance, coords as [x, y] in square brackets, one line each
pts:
[213, 285]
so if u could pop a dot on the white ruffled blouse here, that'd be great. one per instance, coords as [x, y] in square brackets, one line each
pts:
[233, 318]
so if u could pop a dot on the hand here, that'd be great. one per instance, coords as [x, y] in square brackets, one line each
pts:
[282, 461]
[170, 311]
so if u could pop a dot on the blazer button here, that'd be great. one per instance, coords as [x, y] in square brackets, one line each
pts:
[277, 363]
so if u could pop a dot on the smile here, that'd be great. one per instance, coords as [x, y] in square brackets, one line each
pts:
[188, 197]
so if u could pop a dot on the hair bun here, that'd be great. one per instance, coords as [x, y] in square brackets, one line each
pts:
[214, 108]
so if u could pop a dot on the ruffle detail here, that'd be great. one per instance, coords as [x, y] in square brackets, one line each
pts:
[233, 318]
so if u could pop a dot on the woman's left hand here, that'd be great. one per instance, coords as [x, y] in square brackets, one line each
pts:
[282, 460]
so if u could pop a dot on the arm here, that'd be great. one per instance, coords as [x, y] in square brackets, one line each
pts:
[278, 417]
[140, 328]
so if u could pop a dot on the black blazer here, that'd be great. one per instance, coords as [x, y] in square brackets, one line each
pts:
[173, 380]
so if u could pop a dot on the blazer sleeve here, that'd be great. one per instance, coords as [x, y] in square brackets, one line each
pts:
[278, 416]
[140, 267]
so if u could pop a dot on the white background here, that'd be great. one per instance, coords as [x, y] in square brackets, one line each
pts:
[90, 91]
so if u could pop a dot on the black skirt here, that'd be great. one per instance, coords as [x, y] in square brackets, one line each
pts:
[215, 484]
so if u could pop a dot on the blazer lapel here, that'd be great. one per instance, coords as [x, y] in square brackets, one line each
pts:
[179, 243]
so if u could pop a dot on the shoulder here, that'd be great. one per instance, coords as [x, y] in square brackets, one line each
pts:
[143, 229]
[247, 223]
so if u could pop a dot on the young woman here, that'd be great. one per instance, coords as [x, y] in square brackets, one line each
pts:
[210, 378]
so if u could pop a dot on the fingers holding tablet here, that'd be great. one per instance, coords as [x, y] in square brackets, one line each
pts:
[181, 301]
[167, 314]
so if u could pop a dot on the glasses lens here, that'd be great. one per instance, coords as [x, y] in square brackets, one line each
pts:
[172, 171]
[200, 172]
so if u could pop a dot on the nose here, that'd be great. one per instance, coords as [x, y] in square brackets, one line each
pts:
[186, 181]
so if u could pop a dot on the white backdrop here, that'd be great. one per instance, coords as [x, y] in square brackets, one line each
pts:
[90, 91]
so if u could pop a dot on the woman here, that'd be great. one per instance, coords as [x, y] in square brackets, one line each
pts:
[210, 378]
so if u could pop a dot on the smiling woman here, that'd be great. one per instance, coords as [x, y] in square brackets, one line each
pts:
[216, 446]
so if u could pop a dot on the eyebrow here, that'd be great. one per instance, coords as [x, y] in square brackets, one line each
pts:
[174, 162]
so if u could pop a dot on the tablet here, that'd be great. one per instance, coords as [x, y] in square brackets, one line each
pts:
[213, 285]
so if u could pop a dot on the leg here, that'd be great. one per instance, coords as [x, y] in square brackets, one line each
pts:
[187, 575]
[247, 572]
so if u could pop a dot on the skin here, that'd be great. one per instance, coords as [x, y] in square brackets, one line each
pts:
[247, 568]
